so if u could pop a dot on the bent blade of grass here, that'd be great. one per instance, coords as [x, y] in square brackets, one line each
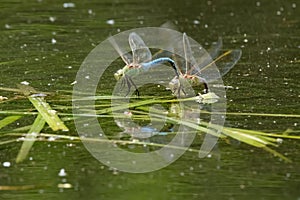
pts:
[49, 115]
[8, 120]
[30, 138]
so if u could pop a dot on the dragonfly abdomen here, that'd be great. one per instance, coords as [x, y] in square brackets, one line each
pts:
[158, 61]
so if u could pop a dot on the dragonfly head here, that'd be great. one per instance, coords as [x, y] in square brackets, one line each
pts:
[119, 74]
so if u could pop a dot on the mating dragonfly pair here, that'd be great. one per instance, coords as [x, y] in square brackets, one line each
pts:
[185, 69]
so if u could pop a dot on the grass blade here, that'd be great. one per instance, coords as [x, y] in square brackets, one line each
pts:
[8, 120]
[48, 113]
[34, 131]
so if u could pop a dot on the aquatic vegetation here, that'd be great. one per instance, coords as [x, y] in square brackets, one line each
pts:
[139, 110]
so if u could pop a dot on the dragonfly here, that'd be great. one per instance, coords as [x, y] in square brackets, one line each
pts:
[190, 70]
[140, 61]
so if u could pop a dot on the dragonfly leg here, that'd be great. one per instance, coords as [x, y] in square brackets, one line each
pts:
[204, 82]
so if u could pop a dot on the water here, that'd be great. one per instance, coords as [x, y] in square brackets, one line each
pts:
[44, 43]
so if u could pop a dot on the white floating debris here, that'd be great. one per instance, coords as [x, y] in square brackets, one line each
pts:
[208, 98]
[62, 172]
[69, 5]
[110, 22]
[52, 19]
[7, 26]
[196, 21]
[25, 83]
[2, 98]
[6, 164]
[52, 112]
[74, 82]
[53, 41]
[64, 185]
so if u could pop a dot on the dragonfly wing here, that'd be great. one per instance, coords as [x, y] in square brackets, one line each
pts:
[190, 61]
[140, 51]
[224, 62]
[215, 48]
[126, 57]
[228, 62]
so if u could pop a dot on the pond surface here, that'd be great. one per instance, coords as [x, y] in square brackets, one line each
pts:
[45, 42]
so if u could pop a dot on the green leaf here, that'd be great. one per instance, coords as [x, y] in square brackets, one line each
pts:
[48, 113]
[30, 138]
[8, 120]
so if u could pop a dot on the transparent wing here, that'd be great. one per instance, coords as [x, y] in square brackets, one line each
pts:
[126, 57]
[207, 57]
[190, 62]
[215, 48]
[140, 51]
[225, 62]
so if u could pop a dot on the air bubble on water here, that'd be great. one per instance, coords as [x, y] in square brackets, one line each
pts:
[295, 124]
[86, 124]
[69, 5]
[279, 140]
[53, 41]
[25, 83]
[110, 22]
[52, 19]
[205, 26]
[294, 5]
[90, 11]
[51, 139]
[245, 40]
[62, 173]
[278, 12]
[7, 26]
[196, 22]
[6, 164]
